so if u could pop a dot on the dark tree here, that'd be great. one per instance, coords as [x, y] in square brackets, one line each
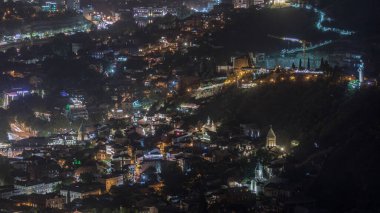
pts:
[87, 177]
[4, 125]
[322, 64]
[5, 174]
[173, 179]
[300, 64]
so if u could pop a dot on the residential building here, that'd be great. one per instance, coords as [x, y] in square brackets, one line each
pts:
[80, 191]
[152, 12]
[113, 180]
[40, 187]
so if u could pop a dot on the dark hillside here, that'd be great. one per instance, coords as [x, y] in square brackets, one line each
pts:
[326, 114]
[249, 29]
[363, 16]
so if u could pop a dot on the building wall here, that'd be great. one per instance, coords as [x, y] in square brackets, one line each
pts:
[41, 188]
[114, 181]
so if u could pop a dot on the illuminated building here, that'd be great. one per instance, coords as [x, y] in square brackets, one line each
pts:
[210, 125]
[184, 164]
[132, 172]
[271, 139]
[88, 11]
[8, 191]
[259, 175]
[64, 139]
[247, 3]
[258, 2]
[40, 201]
[209, 89]
[224, 69]
[46, 29]
[110, 150]
[144, 166]
[37, 187]
[76, 113]
[181, 138]
[46, 116]
[360, 71]
[211, 4]
[99, 54]
[188, 108]
[49, 7]
[76, 109]
[241, 62]
[152, 12]
[12, 95]
[250, 130]
[80, 191]
[15, 74]
[73, 5]
[81, 134]
[145, 130]
[112, 181]
[241, 4]
[154, 154]
[279, 1]
[102, 155]
[56, 202]
[117, 114]
[253, 186]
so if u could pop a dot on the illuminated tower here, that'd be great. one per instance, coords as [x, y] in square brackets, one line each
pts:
[81, 133]
[213, 127]
[360, 71]
[253, 186]
[259, 172]
[271, 139]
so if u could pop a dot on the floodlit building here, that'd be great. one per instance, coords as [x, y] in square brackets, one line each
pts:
[37, 187]
[82, 136]
[210, 125]
[271, 139]
[259, 175]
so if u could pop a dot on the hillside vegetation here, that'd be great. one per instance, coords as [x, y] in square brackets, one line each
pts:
[322, 113]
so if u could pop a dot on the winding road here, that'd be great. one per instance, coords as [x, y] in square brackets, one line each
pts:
[322, 18]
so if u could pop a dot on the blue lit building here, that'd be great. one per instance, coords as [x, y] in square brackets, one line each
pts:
[50, 7]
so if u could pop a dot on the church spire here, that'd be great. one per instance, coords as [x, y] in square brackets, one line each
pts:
[80, 133]
[271, 138]
[213, 127]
